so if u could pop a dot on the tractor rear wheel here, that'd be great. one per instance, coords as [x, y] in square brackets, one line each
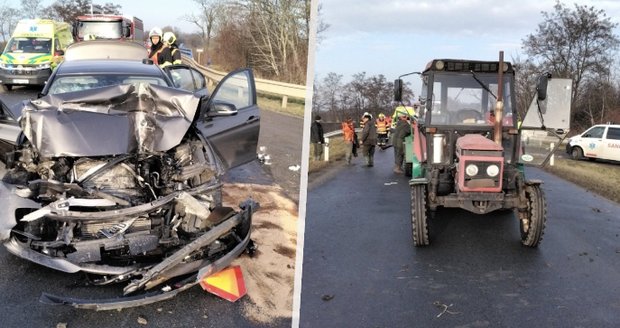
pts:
[532, 221]
[419, 212]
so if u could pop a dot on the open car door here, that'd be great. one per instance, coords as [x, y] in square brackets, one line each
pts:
[229, 117]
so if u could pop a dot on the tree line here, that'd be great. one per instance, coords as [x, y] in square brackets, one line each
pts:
[270, 36]
[337, 100]
[570, 42]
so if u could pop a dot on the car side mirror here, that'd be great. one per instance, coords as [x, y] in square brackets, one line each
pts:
[398, 90]
[220, 108]
[59, 53]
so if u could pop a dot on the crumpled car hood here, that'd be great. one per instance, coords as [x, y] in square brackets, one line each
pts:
[120, 119]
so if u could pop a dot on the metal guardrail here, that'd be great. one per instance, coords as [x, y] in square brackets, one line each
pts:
[284, 90]
[186, 52]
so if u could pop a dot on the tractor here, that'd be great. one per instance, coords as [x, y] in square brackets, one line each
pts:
[468, 147]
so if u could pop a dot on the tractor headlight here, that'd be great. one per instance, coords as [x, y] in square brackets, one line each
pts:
[471, 170]
[492, 170]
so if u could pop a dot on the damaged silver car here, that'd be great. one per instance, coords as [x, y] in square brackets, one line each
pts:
[124, 183]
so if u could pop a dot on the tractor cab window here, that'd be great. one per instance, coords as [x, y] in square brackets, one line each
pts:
[460, 99]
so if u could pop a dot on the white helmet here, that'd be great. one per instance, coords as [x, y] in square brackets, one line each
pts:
[169, 37]
[155, 31]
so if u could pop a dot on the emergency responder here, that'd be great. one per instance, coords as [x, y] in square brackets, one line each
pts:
[316, 137]
[401, 131]
[382, 130]
[406, 110]
[348, 131]
[156, 45]
[369, 140]
[170, 54]
[362, 119]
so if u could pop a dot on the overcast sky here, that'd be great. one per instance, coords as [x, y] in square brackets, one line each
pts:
[396, 37]
[152, 13]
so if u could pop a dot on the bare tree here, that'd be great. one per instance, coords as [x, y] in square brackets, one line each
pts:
[68, 10]
[31, 8]
[526, 73]
[206, 19]
[10, 17]
[576, 44]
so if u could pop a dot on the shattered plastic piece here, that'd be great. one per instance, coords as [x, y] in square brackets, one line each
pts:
[294, 168]
[165, 289]
[267, 160]
[61, 325]
[390, 183]
[142, 320]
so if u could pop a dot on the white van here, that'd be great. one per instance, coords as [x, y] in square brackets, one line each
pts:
[600, 141]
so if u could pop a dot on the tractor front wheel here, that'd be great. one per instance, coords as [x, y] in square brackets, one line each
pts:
[419, 212]
[532, 221]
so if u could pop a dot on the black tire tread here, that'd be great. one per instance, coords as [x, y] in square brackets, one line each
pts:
[536, 214]
[419, 220]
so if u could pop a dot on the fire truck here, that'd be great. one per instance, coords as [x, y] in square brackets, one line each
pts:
[110, 27]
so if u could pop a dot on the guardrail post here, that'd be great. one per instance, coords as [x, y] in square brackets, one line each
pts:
[326, 150]
[552, 159]
[284, 101]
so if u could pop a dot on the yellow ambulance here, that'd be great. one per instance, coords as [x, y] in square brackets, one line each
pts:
[34, 50]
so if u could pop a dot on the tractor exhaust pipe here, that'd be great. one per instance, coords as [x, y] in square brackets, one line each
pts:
[499, 106]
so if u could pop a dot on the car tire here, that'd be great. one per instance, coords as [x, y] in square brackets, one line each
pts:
[576, 153]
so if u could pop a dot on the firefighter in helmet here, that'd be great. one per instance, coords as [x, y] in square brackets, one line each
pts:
[382, 130]
[170, 54]
[156, 44]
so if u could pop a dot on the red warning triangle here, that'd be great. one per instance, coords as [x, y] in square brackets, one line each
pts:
[227, 284]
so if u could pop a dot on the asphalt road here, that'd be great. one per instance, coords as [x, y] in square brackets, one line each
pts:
[22, 282]
[362, 270]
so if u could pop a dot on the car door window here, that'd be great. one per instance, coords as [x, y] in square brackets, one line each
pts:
[613, 133]
[182, 78]
[199, 79]
[596, 132]
[237, 90]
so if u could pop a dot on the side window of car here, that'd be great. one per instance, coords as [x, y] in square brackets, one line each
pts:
[182, 79]
[596, 132]
[199, 79]
[236, 90]
[613, 133]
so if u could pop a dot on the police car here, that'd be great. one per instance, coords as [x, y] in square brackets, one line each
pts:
[600, 141]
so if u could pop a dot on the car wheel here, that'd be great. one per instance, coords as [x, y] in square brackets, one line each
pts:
[577, 153]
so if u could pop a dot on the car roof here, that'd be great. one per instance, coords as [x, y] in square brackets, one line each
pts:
[106, 49]
[108, 66]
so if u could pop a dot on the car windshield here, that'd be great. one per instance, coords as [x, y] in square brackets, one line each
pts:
[463, 99]
[29, 45]
[83, 82]
[100, 30]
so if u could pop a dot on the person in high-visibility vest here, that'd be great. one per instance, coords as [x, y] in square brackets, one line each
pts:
[348, 131]
[402, 110]
[382, 130]
[170, 54]
[156, 44]
[362, 119]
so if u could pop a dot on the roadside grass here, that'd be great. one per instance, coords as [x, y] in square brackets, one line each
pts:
[294, 107]
[336, 153]
[602, 178]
